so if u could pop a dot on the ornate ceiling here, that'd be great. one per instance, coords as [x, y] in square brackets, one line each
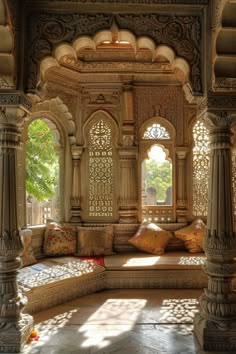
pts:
[200, 36]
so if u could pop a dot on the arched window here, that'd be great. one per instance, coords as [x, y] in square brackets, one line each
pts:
[157, 177]
[201, 166]
[42, 172]
[98, 171]
[157, 171]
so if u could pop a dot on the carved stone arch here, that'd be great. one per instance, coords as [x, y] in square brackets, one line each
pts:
[101, 114]
[59, 112]
[57, 116]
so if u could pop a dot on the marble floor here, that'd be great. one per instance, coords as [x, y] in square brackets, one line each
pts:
[142, 321]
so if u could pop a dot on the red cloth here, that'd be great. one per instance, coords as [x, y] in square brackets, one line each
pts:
[98, 260]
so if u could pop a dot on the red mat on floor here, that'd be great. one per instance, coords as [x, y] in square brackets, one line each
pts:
[98, 260]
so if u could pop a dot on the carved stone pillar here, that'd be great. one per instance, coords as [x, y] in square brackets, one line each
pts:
[76, 191]
[128, 200]
[15, 327]
[181, 190]
[215, 325]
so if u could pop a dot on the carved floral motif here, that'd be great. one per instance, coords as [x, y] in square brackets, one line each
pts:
[48, 29]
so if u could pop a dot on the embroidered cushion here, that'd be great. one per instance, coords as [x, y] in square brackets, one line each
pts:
[94, 241]
[27, 256]
[151, 238]
[193, 235]
[59, 240]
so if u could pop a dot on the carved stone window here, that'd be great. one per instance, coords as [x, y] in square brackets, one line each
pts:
[201, 161]
[100, 171]
[201, 166]
[156, 131]
[98, 168]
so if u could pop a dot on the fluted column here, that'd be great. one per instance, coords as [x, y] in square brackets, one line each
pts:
[128, 200]
[215, 325]
[15, 327]
[181, 189]
[76, 190]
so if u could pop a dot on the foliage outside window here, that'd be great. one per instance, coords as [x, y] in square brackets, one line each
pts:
[157, 175]
[42, 168]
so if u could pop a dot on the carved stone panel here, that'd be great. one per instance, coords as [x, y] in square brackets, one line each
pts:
[46, 30]
[166, 102]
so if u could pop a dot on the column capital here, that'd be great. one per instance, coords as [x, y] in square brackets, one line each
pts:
[182, 152]
[216, 103]
[11, 116]
[219, 119]
[76, 152]
[130, 152]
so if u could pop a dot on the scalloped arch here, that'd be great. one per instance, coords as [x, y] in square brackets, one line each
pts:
[60, 111]
[70, 51]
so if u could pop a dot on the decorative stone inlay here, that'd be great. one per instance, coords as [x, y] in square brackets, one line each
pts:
[166, 102]
[49, 29]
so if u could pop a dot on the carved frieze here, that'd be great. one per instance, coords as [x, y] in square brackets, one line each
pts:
[68, 99]
[166, 102]
[15, 99]
[49, 29]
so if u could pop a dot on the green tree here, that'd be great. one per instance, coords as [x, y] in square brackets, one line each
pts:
[159, 176]
[41, 162]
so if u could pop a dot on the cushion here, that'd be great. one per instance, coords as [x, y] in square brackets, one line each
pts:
[151, 238]
[59, 240]
[27, 256]
[193, 235]
[94, 241]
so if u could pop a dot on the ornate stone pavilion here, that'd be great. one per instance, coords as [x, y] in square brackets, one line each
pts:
[119, 69]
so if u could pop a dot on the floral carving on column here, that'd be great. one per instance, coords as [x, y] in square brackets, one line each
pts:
[15, 327]
[215, 325]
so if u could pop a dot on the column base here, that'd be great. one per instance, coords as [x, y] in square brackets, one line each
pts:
[215, 335]
[14, 335]
[128, 216]
[75, 215]
[181, 215]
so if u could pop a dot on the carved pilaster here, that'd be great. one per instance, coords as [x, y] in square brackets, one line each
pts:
[76, 182]
[128, 199]
[15, 327]
[181, 211]
[215, 325]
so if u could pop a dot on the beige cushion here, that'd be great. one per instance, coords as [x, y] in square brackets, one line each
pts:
[151, 238]
[59, 240]
[193, 235]
[94, 241]
[27, 256]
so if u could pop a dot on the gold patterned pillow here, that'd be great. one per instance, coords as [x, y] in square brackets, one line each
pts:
[193, 235]
[59, 240]
[27, 256]
[151, 238]
[95, 241]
